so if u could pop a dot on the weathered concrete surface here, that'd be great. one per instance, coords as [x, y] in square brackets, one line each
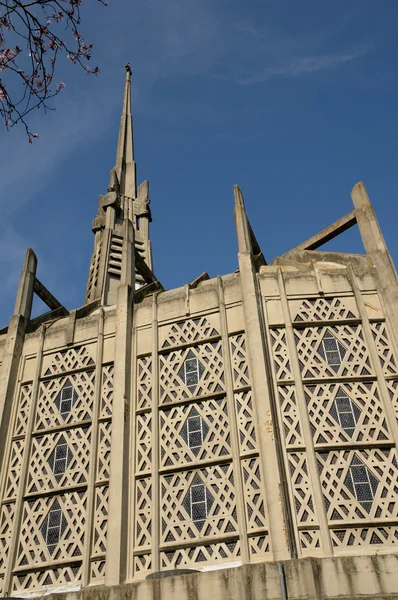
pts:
[351, 578]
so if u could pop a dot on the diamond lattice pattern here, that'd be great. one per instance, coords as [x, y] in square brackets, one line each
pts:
[172, 386]
[177, 523]
[186, 332]
[338, 350]
[346, 413]
[350, 478]
[35, 547]
[323, 309]
[208, 436]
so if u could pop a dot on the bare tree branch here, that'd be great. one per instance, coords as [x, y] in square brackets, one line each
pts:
[32, 36]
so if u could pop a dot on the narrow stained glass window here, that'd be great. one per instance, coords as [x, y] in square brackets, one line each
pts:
[195, 431]
[191, 372]
[331, 350]
[198, 502]
[53, 527]
[66, 400]
[346, 412]
[362, 483]
[60, 458]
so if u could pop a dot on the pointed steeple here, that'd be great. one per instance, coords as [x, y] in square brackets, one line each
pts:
[121, 226]
[125, 166]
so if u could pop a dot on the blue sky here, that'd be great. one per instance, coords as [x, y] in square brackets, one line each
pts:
[293, 101]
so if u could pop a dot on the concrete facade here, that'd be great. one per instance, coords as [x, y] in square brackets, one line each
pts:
[250, 418]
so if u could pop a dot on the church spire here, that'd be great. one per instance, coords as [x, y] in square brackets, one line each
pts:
[121, 226]
[125, 166]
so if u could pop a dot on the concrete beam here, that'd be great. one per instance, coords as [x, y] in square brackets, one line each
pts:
[143, 269]
[45, 295]
[203, 277]
[327, 234]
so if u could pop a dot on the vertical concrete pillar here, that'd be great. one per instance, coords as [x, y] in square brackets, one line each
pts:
[94, 449]
[14, 342]
[375, 246]
[261, 381]
[155, 439]
[381, 382]
[240, 500]
[116, 555]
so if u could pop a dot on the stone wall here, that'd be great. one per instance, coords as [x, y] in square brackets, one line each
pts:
[355, 577]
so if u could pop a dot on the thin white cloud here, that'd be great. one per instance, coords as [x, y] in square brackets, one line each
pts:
[301, 66]
[196, 37]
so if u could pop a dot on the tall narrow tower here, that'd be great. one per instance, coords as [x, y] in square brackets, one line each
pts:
[122, 201]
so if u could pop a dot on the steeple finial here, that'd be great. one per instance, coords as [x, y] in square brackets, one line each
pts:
[125, 165]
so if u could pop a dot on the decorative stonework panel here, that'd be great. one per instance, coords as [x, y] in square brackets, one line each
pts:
[34, 548]
[48, 414]
[210, 418]
[290, 416]
[177, 522]
[210, 378]
[97, 571]
[38, 580]
[364, 536]
[323, 309]
[393, 391]
[253, 492]
[240, 367]
[384, 349]
[187, 332]
[22, 415]
[100, 529]
[107, 391]
[67, 360]
[351, 357]
[144, 442]
[143, 512]
[142, 564]
[59, 460]
[104, 450]
[259, 544]
[246, 421]
[301, 487]
[346, 413]
[144, 382]
[280, 354]
[310, 541]
[360, 484]
[14, 468]
[198, 555]
[7, 513]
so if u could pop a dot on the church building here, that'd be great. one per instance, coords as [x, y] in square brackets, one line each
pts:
[246, 418]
